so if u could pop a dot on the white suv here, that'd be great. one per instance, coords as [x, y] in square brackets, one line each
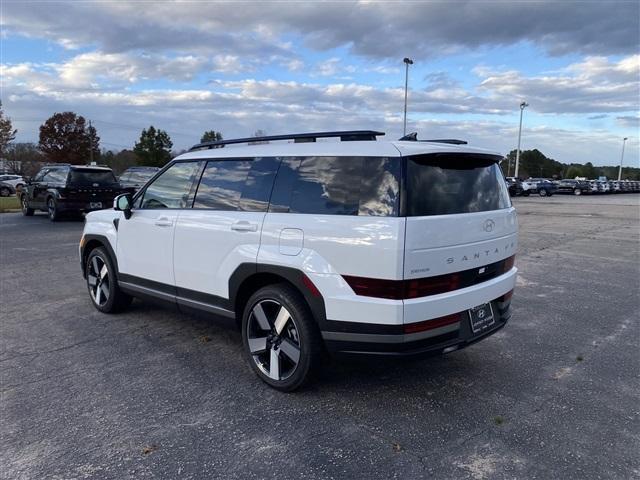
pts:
[352, 246]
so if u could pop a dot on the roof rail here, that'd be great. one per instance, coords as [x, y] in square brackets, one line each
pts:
[413, 137]
[345, 136]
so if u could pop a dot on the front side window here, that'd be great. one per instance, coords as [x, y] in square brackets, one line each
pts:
[172, 188]
[444, 184]
[57, 175]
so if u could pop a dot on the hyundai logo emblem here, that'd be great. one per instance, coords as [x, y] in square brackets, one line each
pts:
[488, 225]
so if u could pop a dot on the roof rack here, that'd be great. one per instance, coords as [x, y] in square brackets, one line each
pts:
[413, 137]
[345, 136]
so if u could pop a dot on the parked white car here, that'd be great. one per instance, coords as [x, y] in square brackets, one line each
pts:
[358, 245]
[16, 181]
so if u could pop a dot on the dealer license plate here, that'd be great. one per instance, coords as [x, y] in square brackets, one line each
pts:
[481, 318]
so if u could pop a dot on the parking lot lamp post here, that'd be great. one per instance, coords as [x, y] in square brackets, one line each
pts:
[407, 61]
[523, 105]
[621, 159]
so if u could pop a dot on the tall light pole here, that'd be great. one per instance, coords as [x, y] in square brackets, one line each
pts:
[621, 158]
[407, 61]
[523, 105]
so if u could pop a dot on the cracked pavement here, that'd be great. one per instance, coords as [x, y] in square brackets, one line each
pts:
[152, 393]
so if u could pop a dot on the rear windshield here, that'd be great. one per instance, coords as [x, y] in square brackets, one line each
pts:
[88, 177]
[445, 184]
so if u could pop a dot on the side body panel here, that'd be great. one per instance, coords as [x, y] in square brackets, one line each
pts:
[209, 245]
[333, 245]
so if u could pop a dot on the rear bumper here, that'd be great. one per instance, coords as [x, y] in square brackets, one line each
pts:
[82, 206]
[382, 340]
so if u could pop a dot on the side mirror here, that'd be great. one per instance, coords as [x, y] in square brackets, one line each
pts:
[122, 203]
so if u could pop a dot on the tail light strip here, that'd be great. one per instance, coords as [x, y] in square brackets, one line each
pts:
[423, 287]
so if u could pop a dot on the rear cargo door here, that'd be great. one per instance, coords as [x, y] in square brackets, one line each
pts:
[459, 215]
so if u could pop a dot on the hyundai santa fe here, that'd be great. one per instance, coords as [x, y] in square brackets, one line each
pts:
[312, 243]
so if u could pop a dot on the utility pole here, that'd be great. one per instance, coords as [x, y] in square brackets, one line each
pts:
[407, 61]
[621, 159]
[523, 105]
[90, 145]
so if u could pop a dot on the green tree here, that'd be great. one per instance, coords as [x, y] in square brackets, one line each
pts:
[7, 132]
[211, 136]
[24, 158]
[120, 161]
[589, 171]
[65, 137]
[573, 171]
[154, 147]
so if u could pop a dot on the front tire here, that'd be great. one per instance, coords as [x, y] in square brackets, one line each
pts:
[102, 284]
[5, 192]
[26, 211]
[543, 192]
[577, 191]
[280, 337]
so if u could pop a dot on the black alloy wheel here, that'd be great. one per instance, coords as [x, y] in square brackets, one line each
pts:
[280, 337]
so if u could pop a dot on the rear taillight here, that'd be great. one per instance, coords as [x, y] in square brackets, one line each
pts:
[423, 287]
[433, 323]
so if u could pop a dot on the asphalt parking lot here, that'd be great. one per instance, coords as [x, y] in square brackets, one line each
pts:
[156, 394]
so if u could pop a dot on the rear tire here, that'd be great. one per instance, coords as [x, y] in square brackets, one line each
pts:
[5, 192]
[577, 191]
[24, 203]
[543, 193]
[280, 337]
[102, 283]
[526, 193]
[52, 210]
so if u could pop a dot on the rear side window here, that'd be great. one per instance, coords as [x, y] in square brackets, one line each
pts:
[232, 185]
[338, 186]
[172, 188]
[89, 177]
[445, 184]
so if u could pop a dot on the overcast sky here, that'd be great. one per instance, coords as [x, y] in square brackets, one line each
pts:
[303, 66]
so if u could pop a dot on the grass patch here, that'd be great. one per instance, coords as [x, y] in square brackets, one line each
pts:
[9, 203]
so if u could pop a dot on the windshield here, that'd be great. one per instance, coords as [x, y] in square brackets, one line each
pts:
[87, 176]
[445, 184]
[139, 177]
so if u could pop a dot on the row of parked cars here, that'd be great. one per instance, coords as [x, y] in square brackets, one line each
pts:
[63, 189]
[546, 187]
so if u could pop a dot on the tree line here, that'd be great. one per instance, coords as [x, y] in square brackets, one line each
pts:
[68, 138]
[534, 164]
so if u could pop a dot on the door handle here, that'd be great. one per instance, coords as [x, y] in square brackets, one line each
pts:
[244, 226]
[163, 222]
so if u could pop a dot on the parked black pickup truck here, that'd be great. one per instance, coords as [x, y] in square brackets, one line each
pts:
[74, 189]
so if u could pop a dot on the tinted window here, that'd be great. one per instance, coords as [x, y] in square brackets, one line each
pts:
[56, 175]
[172, 188]
[138, 177]
[221, 184]
[450, 184]
[380, 187]
[339, 186]
[237, 184]
[325, 185]
[89, 177]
